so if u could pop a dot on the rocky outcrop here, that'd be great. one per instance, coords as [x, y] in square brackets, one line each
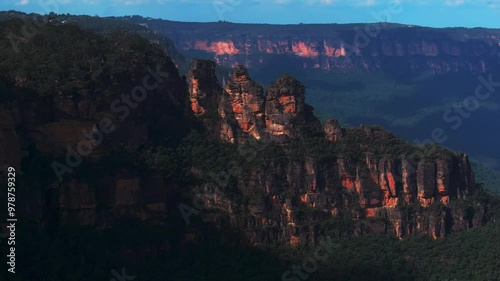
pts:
[243, 101]
[285, 102]
[203, 88]
[245, 111]
[399, 194]
[333, 131]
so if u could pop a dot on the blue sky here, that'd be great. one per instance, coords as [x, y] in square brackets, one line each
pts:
[435, 13]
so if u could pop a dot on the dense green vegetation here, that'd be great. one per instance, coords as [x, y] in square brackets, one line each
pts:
[84, 63]
[102, 26]
[356, 143]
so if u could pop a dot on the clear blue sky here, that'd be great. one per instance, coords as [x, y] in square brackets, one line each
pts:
[435, 13]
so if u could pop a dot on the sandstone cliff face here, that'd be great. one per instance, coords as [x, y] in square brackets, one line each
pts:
[300, 201]
[340, 47]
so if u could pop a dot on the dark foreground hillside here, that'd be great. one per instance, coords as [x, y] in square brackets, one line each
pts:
[154, 253]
